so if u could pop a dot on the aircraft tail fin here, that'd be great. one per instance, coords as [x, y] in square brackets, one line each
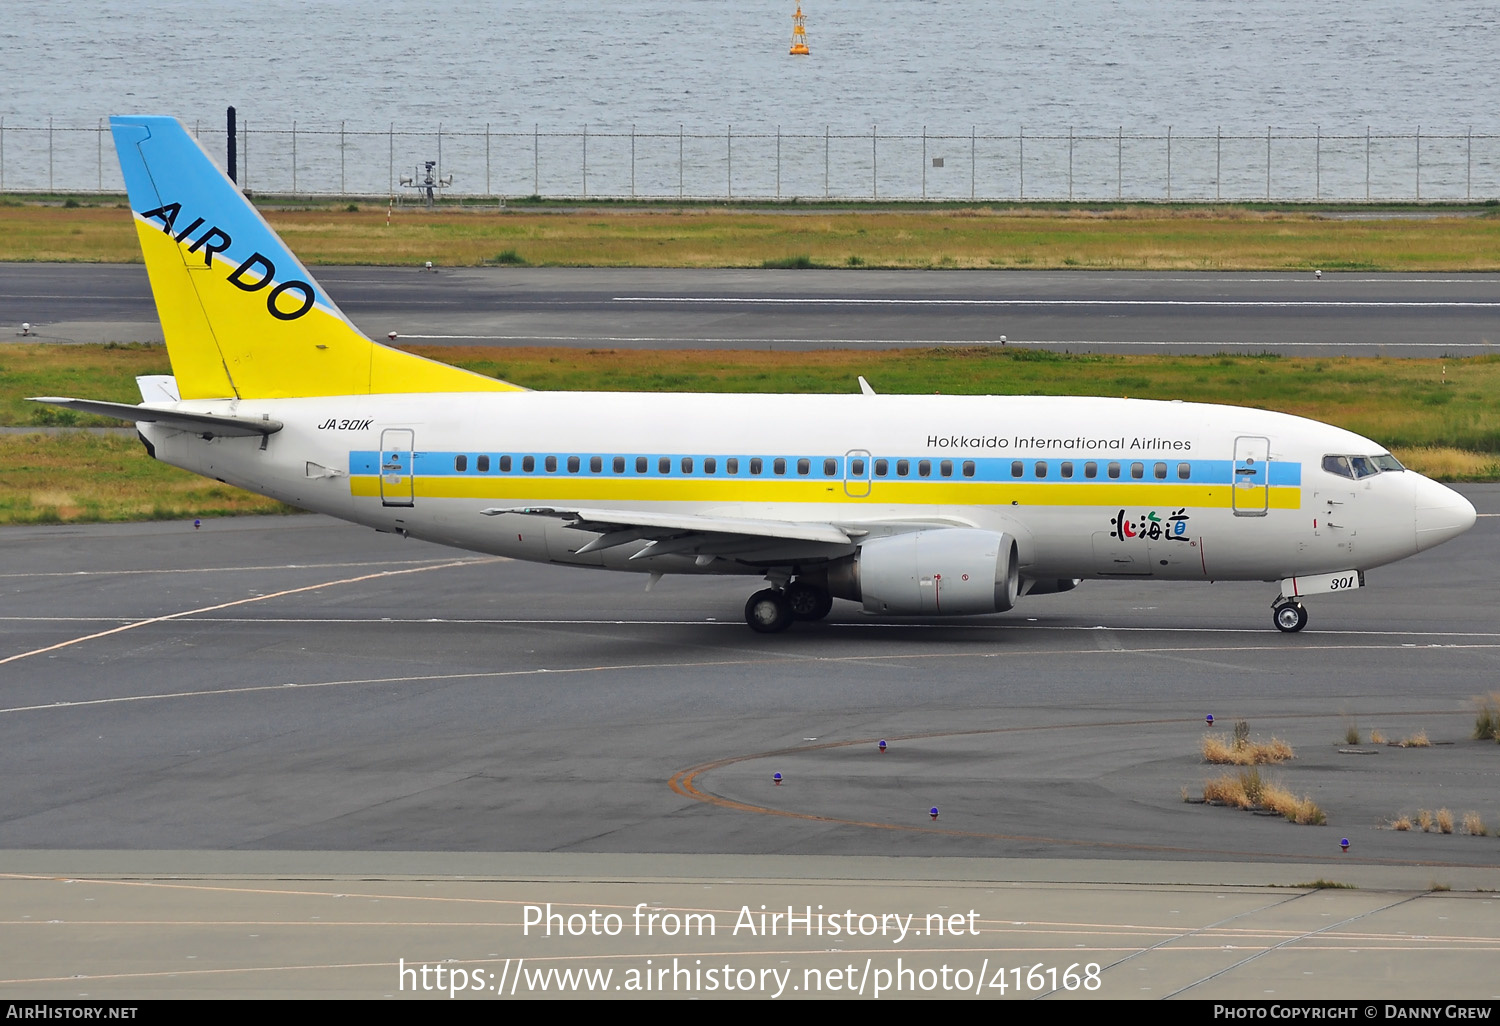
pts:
[242, 317]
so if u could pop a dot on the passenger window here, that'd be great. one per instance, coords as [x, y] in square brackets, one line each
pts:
[1017, 468]
[1066, 469]
[882, 468]
[1041, 469]
[460, 463]
[573, 464]
[779, 466]
[732, 465]
[528, 463]
[1184, 471]
[1160, 470]
[831, 468]
[757, 466]
[664, 465]
[946, 468]
[968, 468]
[710, 465]
[483, 463]
[924, 468]
[687, 464]
[551, 464]
[618, 464]
[1137, 470]
[1114, 471]
[903, 467]
[596, 464]
[1091, 470]
[505, 464]
[856, 468]
[803, 466]
[640, 464]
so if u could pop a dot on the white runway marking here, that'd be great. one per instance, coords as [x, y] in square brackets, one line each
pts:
[227, 569]
[933, 342]
[1312, 304]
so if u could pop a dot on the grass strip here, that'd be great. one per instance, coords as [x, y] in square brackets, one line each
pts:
[1439, 416]
[1144, 237]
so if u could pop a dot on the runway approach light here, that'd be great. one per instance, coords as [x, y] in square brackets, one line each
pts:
[882, 746]
[25, 328]
[197, 523]
[1209, 719]
[933, 813]
[1344, 844]
[776, 777]
[391, 335]
[1318, 275]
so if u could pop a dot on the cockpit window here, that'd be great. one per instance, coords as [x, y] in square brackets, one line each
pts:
[1337, 465]
[1355, 467]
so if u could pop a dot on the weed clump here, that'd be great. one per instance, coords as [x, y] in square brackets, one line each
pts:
[1487, 720]
[1417, 740]
[510, 257]
[1241, 751]
[1474, 826]
[1247, 790]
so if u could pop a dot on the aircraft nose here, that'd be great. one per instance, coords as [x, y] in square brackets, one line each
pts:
[1441, 513]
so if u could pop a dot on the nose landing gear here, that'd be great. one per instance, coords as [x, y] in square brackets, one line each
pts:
[1289, 617]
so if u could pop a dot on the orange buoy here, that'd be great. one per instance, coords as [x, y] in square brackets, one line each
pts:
[799, 33]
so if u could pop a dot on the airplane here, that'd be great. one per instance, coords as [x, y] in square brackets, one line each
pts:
[909, 505]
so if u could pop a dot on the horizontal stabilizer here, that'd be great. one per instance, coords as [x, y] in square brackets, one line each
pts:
[206, 424]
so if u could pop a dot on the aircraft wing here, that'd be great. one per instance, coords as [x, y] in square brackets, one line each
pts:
[206, 424]
[706, 537]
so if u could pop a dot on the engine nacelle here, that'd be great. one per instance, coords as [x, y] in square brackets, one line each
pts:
[951, 571]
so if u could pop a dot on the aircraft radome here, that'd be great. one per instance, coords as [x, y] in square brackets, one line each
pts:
[911, 505]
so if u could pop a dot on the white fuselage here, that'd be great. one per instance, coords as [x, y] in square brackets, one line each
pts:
[1088, 487]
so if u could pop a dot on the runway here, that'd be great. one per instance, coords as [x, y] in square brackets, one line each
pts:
[260, 687]
[1341, 314]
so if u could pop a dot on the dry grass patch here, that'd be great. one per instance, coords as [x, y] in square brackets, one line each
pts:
[1474, 826]
[1376, 737]
[1417, 740]
[1424, 820]
[1487, 719]
[1401, 823]
[1444, 821]
[1240, 750]
[1247, 790]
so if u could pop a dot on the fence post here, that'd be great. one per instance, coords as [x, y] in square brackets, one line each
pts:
[486, 158]
[1120, 164]
[1468, 165]
[49, 154]
[99, 152]
[874, 165]
[825, 161]
[245, 152]
[1367, 163]
[973, 163]
[440, 154]
[924, 161]
[536, 160]
[1219, 163]
[778, 162]
[1268, 162]
[585, 160]
[729, 160]
[1021, 145]
[2, 154]
[1070, 163]
[679, 160]
[1169, 163]
[1318, 164]
[343, 190]
[1419, 163]
[294, 157]
[632, 160]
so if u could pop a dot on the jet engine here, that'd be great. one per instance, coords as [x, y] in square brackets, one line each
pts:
[950, 571]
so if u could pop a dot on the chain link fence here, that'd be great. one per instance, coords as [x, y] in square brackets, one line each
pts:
[589, 163]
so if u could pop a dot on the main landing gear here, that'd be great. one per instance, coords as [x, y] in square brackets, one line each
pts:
[1289, 616]
[774, 609]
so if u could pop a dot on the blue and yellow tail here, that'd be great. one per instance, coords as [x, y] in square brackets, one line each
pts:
[242, 317]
